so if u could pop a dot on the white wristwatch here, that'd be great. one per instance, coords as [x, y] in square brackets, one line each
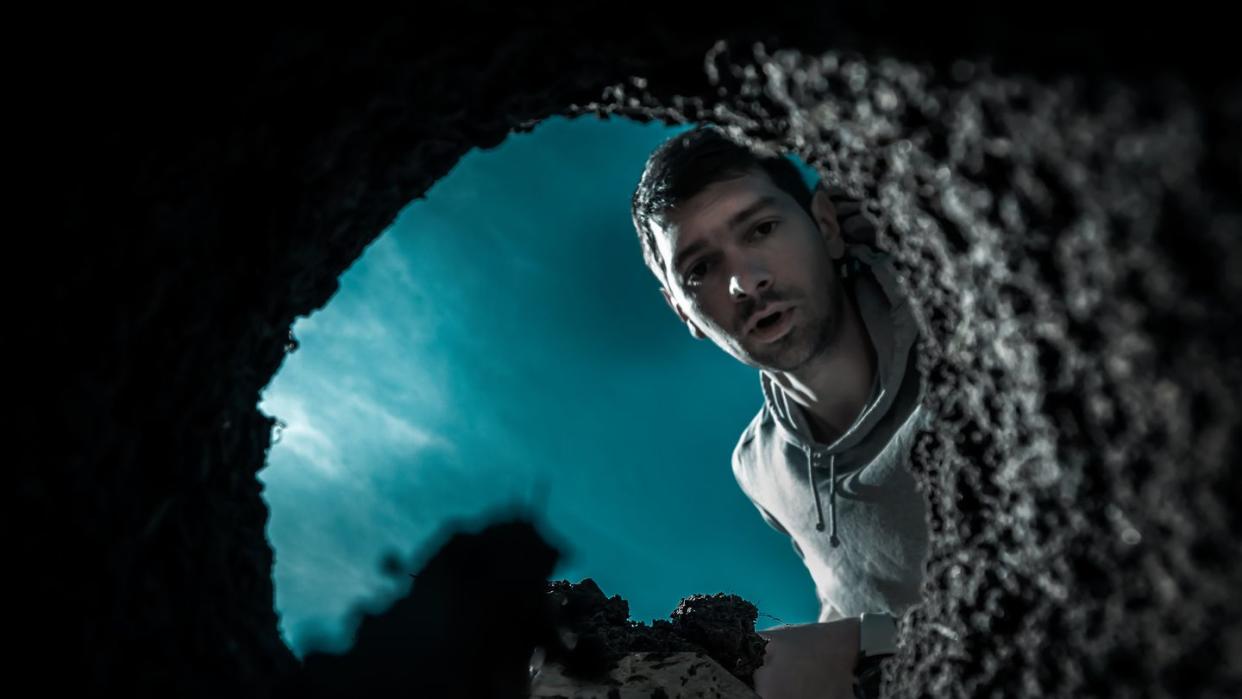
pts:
[877, 634]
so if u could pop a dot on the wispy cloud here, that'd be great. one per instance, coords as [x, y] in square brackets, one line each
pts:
[303, 435]
[384, 425]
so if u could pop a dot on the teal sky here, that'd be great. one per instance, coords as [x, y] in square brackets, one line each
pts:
[501, 332]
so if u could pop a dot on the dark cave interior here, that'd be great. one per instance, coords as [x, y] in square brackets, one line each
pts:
[1063, 203]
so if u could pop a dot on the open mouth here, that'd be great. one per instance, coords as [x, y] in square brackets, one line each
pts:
[771, 326]
[769, 320]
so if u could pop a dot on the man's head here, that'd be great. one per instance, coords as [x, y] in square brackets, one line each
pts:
[743, 249]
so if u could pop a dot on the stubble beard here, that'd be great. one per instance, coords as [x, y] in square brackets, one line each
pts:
[802, 345]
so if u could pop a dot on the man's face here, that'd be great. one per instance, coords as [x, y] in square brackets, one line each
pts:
[746, 265]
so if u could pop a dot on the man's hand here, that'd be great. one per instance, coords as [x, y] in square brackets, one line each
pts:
[809, 660]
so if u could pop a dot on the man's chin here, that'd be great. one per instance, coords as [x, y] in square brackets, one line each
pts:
[790, 359]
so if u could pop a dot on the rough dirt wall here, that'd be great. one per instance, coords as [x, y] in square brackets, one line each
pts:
[1072, 247]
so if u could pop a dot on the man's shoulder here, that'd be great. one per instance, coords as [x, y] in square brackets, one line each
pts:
[753, 428]
[749, 441]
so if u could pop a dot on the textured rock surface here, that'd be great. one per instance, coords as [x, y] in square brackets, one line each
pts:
[644, 676]
[1072, 249]
[594, 632]
[1071, 241]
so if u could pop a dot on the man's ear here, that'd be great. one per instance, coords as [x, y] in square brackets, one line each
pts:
[694, 329]
[825, 215]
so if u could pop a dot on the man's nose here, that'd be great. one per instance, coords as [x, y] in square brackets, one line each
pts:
[749, 281]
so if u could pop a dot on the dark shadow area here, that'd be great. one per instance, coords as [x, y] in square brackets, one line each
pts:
[1065, 214]
[467, 628]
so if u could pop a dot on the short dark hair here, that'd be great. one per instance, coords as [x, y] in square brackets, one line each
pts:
[688, 163]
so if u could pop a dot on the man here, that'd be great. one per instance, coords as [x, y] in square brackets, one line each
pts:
[749, 257]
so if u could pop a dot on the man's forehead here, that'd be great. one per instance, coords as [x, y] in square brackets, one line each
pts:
[711, 211]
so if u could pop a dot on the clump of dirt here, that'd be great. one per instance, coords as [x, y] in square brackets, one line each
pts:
[593, 632]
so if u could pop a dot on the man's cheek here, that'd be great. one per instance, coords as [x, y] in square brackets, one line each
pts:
[719, 325]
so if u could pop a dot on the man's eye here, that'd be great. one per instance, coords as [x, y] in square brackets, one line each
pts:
[764, 228]
[695, 273]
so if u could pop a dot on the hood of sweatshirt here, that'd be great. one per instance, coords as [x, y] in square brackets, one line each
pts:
[894, 333]
[865, 551]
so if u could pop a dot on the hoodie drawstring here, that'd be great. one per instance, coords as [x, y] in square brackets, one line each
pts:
[832, 495]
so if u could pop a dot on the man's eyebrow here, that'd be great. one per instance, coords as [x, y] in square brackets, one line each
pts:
[761, 203]
[735, 220]
[686, 252]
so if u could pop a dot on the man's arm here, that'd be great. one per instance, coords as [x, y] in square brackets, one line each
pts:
[805, 660]
[835, 659]
[808, 660]
[877, 640]
[802, 661]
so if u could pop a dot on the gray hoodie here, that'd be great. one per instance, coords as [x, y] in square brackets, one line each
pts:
[850, 508]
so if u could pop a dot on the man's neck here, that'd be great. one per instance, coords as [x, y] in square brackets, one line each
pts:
[834, 387]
